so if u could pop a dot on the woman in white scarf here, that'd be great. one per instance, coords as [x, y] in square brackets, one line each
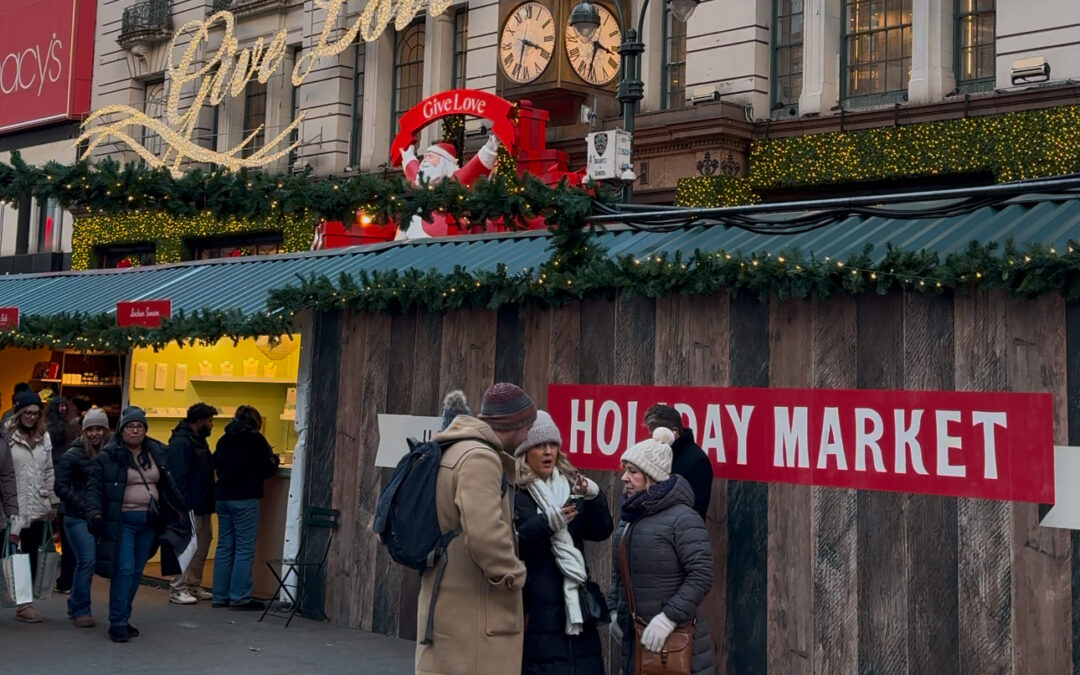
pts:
[556, 509]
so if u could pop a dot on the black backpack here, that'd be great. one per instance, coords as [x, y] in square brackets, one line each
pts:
[406, 518]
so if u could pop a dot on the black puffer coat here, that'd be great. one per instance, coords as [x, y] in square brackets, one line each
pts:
[72, 478]
[670, 570]
[192, 467]
[243, 460]
[548, 650]
[105, 498]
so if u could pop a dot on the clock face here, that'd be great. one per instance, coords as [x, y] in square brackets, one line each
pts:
[527, 42]
[597, 60]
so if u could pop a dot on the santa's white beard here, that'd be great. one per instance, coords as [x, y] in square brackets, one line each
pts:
[436, 173]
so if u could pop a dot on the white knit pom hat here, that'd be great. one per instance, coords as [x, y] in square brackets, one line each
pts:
[653, 456]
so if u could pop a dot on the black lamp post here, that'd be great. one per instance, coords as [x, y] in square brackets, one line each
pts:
[585, 19]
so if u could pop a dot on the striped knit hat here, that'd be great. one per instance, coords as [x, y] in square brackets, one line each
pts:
[506, 407]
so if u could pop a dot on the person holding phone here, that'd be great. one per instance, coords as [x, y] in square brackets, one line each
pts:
[556, 509]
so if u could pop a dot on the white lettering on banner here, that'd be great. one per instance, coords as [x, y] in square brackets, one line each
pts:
[945, 443]
[907, 443]
[868, 440]
[581, 425]
[792, 437]
[989, 420]
[17, 66]
[741, 421]
[609, 445]
[455, 103]
[612, 427]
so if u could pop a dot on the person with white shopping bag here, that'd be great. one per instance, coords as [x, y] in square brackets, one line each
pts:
[31, 454]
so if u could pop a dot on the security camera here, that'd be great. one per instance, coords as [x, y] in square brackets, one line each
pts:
[706, 93]
[1030, 70]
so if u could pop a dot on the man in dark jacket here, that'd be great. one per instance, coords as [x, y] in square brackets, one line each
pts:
[689, 461]
[193, 469]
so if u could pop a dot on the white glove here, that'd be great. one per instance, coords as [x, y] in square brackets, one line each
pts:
[616, 629]
[593, 491]
[656, 633]
[408, 155]
[490, 152]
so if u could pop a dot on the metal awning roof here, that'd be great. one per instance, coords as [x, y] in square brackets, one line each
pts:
[243, 283]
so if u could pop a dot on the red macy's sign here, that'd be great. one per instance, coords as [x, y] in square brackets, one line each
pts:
[967, 444]
[46, 61]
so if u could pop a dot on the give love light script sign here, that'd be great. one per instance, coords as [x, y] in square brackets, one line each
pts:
[226, 73]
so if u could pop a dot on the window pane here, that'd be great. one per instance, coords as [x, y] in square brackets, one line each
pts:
[796, 28]
[797, 6]
[986, 61]
[894, 78]
[986, 29]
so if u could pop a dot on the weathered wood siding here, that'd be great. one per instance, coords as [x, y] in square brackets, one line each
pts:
[809, 580]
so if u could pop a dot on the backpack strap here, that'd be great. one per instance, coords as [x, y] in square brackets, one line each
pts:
[439, 558]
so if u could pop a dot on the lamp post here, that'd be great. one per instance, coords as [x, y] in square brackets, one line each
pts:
[585, 19]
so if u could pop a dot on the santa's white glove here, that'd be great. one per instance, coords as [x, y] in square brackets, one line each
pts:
[656, 633]
[616, 629]
[408, 155]
[490, 152]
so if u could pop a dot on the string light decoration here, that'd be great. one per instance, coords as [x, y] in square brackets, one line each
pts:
[1010, 146]
[170, 233]
[225, 73]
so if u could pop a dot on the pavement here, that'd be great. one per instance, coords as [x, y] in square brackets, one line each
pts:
[193, 639]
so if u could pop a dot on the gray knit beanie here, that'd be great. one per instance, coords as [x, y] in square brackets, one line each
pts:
[653, 456]
[95, 417]
[543, 430]
[454, 404]
[132, 413]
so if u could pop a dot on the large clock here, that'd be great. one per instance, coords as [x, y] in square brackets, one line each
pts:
[596, 60]
[527, 42]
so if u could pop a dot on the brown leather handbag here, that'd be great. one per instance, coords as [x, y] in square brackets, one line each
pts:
[677, 655]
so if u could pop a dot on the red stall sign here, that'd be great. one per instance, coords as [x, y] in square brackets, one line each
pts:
[148, 313]
[9, 318]
[966, 444]
[46, 61]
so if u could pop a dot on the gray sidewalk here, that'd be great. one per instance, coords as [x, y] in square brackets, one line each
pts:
[191, 638]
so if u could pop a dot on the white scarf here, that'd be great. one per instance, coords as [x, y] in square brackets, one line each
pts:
[549, 496]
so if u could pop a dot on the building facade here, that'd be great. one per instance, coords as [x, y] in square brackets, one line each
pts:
[736, 72]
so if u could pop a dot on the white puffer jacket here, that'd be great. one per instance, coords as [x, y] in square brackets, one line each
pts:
[33, 477]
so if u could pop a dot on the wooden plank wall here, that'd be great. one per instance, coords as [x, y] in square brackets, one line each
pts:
[808, 580]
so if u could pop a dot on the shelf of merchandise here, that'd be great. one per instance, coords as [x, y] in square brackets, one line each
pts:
[242, 380]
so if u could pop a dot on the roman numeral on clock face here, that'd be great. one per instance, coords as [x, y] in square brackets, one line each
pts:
[508, 59]
[575, 52]
[549, 38]
[545, 54]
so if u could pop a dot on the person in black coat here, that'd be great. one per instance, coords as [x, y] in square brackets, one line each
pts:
[72, 480]
[689, 460]
[556, 509]
[64, 424]
[129, 481]
[193, 468]
[243, 460]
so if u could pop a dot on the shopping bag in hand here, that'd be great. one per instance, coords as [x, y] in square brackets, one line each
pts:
[184, 557]
[48, 566]
[16, 587]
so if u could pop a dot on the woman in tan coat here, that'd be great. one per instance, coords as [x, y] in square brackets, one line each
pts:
[478, 622]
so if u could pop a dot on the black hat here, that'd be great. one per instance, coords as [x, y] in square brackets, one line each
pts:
[24, 399]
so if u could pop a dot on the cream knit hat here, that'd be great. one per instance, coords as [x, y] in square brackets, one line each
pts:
[653, 456]
[543, 430]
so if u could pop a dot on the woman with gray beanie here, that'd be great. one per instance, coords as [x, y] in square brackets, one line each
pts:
[668, 555]
[72, 478]
[556, 509]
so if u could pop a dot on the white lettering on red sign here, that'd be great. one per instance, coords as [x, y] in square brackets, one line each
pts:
[31, 68]
[456, 104]
[993, 445]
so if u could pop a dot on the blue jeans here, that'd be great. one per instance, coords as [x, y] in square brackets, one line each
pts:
[238, 523]
[136, 541]
[82, 545]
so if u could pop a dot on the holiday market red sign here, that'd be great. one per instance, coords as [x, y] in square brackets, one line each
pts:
[46, 61]
[471, 102]
[148, 313]
[966, 444]
[9, 318]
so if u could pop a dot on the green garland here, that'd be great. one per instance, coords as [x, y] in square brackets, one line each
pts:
[1011, 146]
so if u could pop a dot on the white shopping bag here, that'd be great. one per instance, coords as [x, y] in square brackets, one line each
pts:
[184, 557]
[24, 582]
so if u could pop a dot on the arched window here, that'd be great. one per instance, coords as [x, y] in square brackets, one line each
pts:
[408, 71]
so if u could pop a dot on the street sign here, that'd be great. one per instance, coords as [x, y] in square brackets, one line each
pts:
[609, 153]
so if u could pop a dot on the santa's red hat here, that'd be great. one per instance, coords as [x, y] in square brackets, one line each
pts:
[444, 150]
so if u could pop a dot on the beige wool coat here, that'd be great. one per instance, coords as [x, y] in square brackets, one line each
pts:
[478, 613]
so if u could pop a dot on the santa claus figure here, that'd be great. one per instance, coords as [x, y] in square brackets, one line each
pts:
[440, 161]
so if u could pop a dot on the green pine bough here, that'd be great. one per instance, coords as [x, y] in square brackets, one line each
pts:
[1010, 146]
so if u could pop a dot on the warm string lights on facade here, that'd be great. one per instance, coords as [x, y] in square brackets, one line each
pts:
[1010, 146]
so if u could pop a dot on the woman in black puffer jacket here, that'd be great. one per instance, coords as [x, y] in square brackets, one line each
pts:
[72, 478]
[553, 497]
[670, 558]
